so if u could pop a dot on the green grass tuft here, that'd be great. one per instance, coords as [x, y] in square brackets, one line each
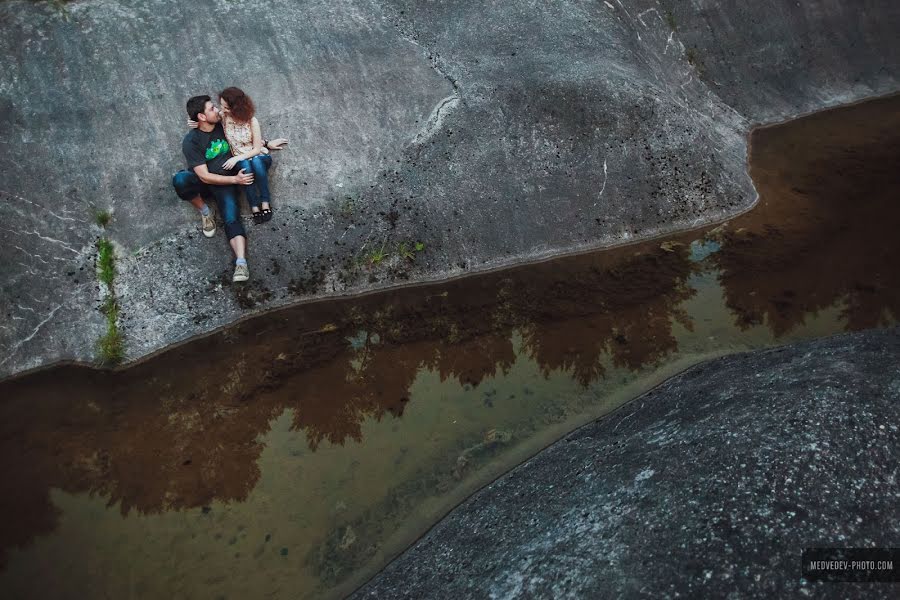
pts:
[408, 250]
[376, 256]
[102, 217]
[111, 346]
[403, 251]
[106, 262]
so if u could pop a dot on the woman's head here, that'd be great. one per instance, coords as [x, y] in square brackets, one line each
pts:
[237, 104]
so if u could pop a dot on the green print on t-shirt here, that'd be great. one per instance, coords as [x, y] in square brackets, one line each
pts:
[216, 147]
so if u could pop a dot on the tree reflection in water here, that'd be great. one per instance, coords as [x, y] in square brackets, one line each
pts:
[183, 428]
[825, 229]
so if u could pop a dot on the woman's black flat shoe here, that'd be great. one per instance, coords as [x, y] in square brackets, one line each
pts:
[266, 215]
[258, 218]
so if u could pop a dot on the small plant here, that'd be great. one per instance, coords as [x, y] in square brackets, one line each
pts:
[102, 217]
[408, 250]
[403, 251]
[111, 345]
[106, 262]
[670, 20]
[376, 256]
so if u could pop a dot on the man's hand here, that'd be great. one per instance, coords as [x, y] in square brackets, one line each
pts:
[229, 164]
[192, 124]
[277, 144]
[243, 178]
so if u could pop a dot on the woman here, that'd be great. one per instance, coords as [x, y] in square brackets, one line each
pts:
[247, 148]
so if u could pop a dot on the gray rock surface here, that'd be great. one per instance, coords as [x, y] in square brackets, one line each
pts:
[492, 134]
[708, 486]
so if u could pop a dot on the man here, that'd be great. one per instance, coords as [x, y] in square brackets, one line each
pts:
[206, 151]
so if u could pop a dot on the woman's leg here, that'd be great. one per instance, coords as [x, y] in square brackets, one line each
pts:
[260, 165]
[250, 190]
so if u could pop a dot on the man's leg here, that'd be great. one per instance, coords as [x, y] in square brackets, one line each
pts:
[227, 201]
[239, 246]
[199, 203]
[189, 187]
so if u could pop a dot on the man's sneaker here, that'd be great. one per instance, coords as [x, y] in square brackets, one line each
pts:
[208, 224]
[241, 273]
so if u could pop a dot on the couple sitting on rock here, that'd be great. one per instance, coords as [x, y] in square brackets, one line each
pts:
[224, 150]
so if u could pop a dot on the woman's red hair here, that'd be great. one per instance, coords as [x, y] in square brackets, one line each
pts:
[239, 103]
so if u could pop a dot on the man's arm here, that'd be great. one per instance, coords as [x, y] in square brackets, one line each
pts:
[194, 154]
[276, 144]
[208, 178]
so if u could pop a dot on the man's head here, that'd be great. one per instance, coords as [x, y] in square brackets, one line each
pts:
[202, 110]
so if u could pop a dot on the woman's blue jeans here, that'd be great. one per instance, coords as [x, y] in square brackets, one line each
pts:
[258, 192]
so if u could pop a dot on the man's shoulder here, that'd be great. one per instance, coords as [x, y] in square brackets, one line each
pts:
[191, 137]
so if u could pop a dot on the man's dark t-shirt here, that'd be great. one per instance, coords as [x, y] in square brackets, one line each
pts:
[209, 148]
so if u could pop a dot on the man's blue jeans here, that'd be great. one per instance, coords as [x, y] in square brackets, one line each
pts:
[188, 186]
[259, 165]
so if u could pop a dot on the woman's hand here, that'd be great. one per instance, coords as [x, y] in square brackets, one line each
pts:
[277, 144]
[230, 163]
[192, 124]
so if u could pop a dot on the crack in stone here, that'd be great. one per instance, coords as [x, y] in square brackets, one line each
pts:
[605, 177]
[49, 239]
[641, 16]
[668, 42]
[619, 2]
[30, 255]
[29, 338]
[407, 31]
[436, 118]
[41, 207]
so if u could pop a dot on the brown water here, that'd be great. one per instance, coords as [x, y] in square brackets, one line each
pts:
[292, 455]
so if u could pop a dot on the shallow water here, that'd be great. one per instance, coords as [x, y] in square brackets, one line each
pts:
[292, 455]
